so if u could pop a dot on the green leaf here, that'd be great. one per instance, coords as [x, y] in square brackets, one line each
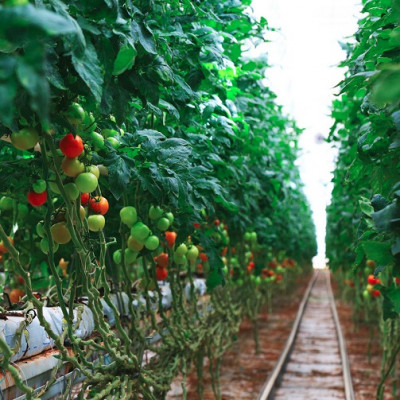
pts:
[37, 86]
[8, 90]
[119, 172]
[89, 69]
[141, 33]
[28, 18]
[365, 206]
[378, 251]
[392, 296]
[214, 279]
[387, 87]
[125, 59]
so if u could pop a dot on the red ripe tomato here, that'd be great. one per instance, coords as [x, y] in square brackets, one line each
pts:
[16, 295]
[20, 280]
[203, 257]
[251, 266]
[375, 293]
[99, 205]
[216, 222]
[170, 237]
[37, 199]
[71, 146]
[272, 264]
[372, 280]
[162, 260]
[85, 199]
[196, 225]
[200, 268]
[278, 278]
[161, 273]
[224, 251]
[397, 280]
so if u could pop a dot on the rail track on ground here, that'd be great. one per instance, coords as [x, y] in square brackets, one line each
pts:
[313, 364]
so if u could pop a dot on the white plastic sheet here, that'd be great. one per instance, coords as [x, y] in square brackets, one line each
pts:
[35, 340]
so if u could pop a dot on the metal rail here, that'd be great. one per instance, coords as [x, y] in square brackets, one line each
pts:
[348, 383]
[267, 392]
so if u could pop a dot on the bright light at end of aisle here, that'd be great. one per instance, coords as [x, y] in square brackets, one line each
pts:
[304, 53]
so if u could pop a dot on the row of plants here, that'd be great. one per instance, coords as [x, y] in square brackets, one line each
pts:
[140, 146]
[363, 235]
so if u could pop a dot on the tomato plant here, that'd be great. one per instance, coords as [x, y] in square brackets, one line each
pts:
[153, 114]
[363, 240]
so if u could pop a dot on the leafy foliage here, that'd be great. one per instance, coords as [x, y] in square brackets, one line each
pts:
[168, 103]
[363, 217]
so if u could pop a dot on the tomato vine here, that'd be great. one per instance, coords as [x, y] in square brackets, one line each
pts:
[147, 130]
[363, 240]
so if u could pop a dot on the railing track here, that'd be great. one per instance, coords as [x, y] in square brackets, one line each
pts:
[294, 373]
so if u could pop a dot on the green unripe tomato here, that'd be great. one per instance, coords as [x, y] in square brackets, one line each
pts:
[155, 213]
[247, 237]
[96, 222]
[216, 236]
[72, 191]
[117, 256]
[239, 282]
[107, 133]
[180, 260]
[225, 270]
[192, 253]
[181, 250]
[40, 229]
[151, 243]
[45, 246]
[128, 216]
[89, 122]
[25, 139]
[366, 294]
[234, 261]
[113, 142]
[130, 256]
[94, 169]
[72, 167]
[39, 186]
[6, 203]
[257, 281]
[97, 140]
[86, 182]
[280, 270]
[170, 217]
[140, 231]
[75, 114]
[60, 233]
[134, 245]
[163, 224]
[253, 237]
